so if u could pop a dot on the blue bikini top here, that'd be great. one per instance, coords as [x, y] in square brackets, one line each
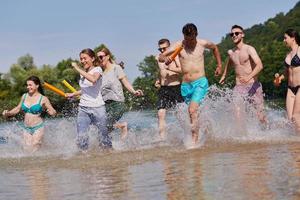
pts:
[295, 62]
[34, 109]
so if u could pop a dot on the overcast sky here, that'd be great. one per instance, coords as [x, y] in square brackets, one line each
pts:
[58, 29]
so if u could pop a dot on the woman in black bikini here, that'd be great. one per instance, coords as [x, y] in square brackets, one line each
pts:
[292, 63]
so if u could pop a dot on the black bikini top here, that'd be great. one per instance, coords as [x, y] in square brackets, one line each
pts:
[295, 62]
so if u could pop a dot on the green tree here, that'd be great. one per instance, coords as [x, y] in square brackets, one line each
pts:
[149, 69]
[26, 62]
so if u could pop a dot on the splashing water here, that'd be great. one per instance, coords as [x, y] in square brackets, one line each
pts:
[224, 118]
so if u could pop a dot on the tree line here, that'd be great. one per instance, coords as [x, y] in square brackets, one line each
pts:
[267, 38]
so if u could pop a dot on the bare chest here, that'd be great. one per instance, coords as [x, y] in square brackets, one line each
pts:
[239, 57]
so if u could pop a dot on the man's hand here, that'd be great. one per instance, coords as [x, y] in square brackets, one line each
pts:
[245, 79]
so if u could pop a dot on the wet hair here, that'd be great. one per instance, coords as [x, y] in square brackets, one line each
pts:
[237, 26]
[36, 81]
[107, 52]
[91, 54]
[190, 29]
[294, 34]
[164, 40]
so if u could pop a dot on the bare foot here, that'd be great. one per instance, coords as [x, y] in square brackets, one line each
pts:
[124, 130]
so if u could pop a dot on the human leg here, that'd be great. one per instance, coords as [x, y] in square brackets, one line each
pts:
[194, 119]
[83, 123]
[296, 113]
[124, 129]
[290, 102]
[199, 89]
[99, 119]
[115, 111]
[162, 123]
[257, 98]
[32, 142]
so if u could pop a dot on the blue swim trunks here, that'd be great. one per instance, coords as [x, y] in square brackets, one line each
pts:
[194, 91]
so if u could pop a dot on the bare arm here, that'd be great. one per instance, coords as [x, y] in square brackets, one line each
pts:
[176, 68]
[129, 87]
[50, 110]
[216, 53]
[91, 77]
[74, 94]
[227, 64]
[164, 57]
[13, 111]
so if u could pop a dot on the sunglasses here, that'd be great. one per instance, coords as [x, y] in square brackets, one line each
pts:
[235, 33]
[101, 57]
[162, 49]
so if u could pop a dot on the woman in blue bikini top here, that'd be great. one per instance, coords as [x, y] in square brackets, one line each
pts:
[32, 104]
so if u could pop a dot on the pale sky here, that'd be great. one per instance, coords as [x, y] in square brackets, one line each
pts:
[58, 29]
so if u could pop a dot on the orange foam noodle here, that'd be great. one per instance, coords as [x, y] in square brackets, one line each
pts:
[176, 52]
[54, 89]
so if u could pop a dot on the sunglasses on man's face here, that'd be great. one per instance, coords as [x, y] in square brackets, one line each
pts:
[162, 49]
[235, 33]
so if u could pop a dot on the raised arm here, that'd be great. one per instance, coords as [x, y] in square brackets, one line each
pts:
[90, 77]
[227, 64]
[175, 68]
[164, 57]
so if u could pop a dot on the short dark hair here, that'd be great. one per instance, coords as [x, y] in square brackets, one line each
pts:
[190, 29]
[294, 34]
[162, 41]
[237, 26]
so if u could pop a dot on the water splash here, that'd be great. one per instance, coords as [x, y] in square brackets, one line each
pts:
[219, 123]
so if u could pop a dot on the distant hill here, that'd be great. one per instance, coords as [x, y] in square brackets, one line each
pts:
[267, 38]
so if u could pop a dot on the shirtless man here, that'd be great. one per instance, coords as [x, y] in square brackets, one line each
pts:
[169, 86]
[247, 66]
[194, 83]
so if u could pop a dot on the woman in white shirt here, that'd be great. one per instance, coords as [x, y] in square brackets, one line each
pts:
[91, 106]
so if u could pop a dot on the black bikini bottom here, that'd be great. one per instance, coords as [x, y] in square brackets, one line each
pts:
[294, 89]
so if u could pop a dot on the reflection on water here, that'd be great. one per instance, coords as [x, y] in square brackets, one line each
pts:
[253, 172]
[234, 163]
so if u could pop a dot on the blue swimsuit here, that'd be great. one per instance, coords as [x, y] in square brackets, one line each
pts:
[35, 109]
[194, 91]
